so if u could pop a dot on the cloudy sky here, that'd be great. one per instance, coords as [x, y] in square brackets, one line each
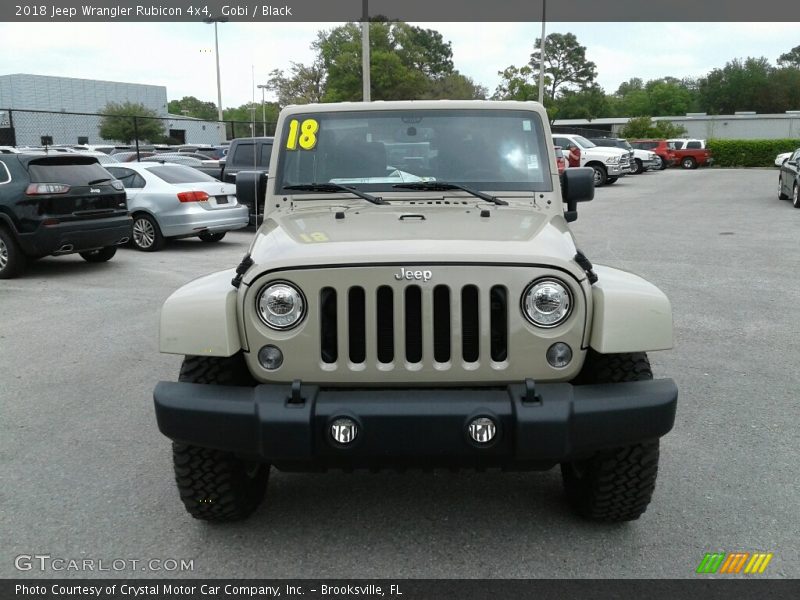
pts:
[180, 55]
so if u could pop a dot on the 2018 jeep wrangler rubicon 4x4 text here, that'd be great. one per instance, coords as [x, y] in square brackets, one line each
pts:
[415, 297]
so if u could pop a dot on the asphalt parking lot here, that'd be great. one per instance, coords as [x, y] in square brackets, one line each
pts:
[86, 474]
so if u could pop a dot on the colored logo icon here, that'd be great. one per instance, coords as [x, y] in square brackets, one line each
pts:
[733, 563]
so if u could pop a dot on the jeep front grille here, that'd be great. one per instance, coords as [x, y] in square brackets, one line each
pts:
[406, 321]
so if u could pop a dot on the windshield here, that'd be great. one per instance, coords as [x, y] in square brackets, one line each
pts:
[583, 142]
[373, 150]
[179, 174]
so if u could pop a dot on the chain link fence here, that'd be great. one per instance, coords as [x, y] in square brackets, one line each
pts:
[23, 128]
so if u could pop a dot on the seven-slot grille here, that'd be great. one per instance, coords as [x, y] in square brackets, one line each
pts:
[405, 320]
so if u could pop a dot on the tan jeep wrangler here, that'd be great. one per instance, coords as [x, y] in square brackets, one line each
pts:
[415, 298]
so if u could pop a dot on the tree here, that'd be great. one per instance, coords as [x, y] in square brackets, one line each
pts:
[517, 84]
[305, 84]
[590, 103]
[739, 85]
[455, 86]
[192, 107]
[565, 63]
[643, 127]
[791, 58]
[119, 123]
[247, 119]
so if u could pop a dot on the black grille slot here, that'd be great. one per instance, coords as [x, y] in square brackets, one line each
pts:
[498, 310]
[413, 324]
[385, 324]
[327, 319]
[441, 323]
[356, 326]
[470, 323]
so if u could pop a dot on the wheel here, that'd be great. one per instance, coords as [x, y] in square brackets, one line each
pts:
[688, 163]
[617, 484]
[214, 485]
[211, 237]
[101, 255]
[662, 163]
[610, 180]
[795, 196]
[600, 176]
[638, 167]
[12, 260]
[146, 233]
[781, 195]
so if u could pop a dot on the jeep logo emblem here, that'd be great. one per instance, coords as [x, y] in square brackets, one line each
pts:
[409, 275]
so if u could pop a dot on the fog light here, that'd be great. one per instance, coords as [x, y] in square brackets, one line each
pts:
[559, 355]
[344, 430]
[482, 430]
[270, 357]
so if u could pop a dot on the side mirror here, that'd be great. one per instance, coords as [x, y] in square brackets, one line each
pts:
[251, 190]
[791, 162]
[577, 185]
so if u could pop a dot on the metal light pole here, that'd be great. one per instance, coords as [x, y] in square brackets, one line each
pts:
[263, 88]
[216, 20]
[541, 54]
[365, 78]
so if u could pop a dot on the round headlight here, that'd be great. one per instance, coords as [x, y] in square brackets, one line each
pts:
[546, 303]
[281, 305]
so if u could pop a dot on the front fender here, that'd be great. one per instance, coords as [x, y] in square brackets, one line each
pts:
[629, 314]
[200, 318]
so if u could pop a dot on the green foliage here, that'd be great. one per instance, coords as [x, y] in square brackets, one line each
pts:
[749, 153]
[517, 84]
[791, 58]
[590, 103]
[565, 64]
[190, 106]
[304, 84]
[644, 127]
[119, 124]
[406, 63]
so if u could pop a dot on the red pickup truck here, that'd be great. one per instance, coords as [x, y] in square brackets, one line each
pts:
[691, 153]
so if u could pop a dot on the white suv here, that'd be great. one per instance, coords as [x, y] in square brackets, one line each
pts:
[609, 164]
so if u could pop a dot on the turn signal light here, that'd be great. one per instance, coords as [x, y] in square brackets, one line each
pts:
[192, 196]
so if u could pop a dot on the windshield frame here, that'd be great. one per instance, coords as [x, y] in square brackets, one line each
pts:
[546, 185]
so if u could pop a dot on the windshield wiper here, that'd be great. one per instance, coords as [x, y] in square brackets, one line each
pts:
[331, 188]
[96, 181]
[441, 186]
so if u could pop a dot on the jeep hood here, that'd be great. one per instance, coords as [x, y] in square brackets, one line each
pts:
[412, 233]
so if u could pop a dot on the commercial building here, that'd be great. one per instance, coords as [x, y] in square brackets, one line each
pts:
[39, 109]
[739, 126]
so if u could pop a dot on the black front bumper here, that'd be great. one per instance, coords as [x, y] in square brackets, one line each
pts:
[81, 235]
[416, 427]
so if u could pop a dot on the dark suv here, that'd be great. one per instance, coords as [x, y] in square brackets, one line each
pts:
[58, 204]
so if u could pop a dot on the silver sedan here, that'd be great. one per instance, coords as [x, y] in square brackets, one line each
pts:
[176, 201]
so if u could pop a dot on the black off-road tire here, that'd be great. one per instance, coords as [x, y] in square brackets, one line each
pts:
[211, 237]
[638, 167]
[12, 259]
[214, 485]
[613, 485]
[795, 196]
[611, 180]
[99, 256]
[663, 164]
[617, 484]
